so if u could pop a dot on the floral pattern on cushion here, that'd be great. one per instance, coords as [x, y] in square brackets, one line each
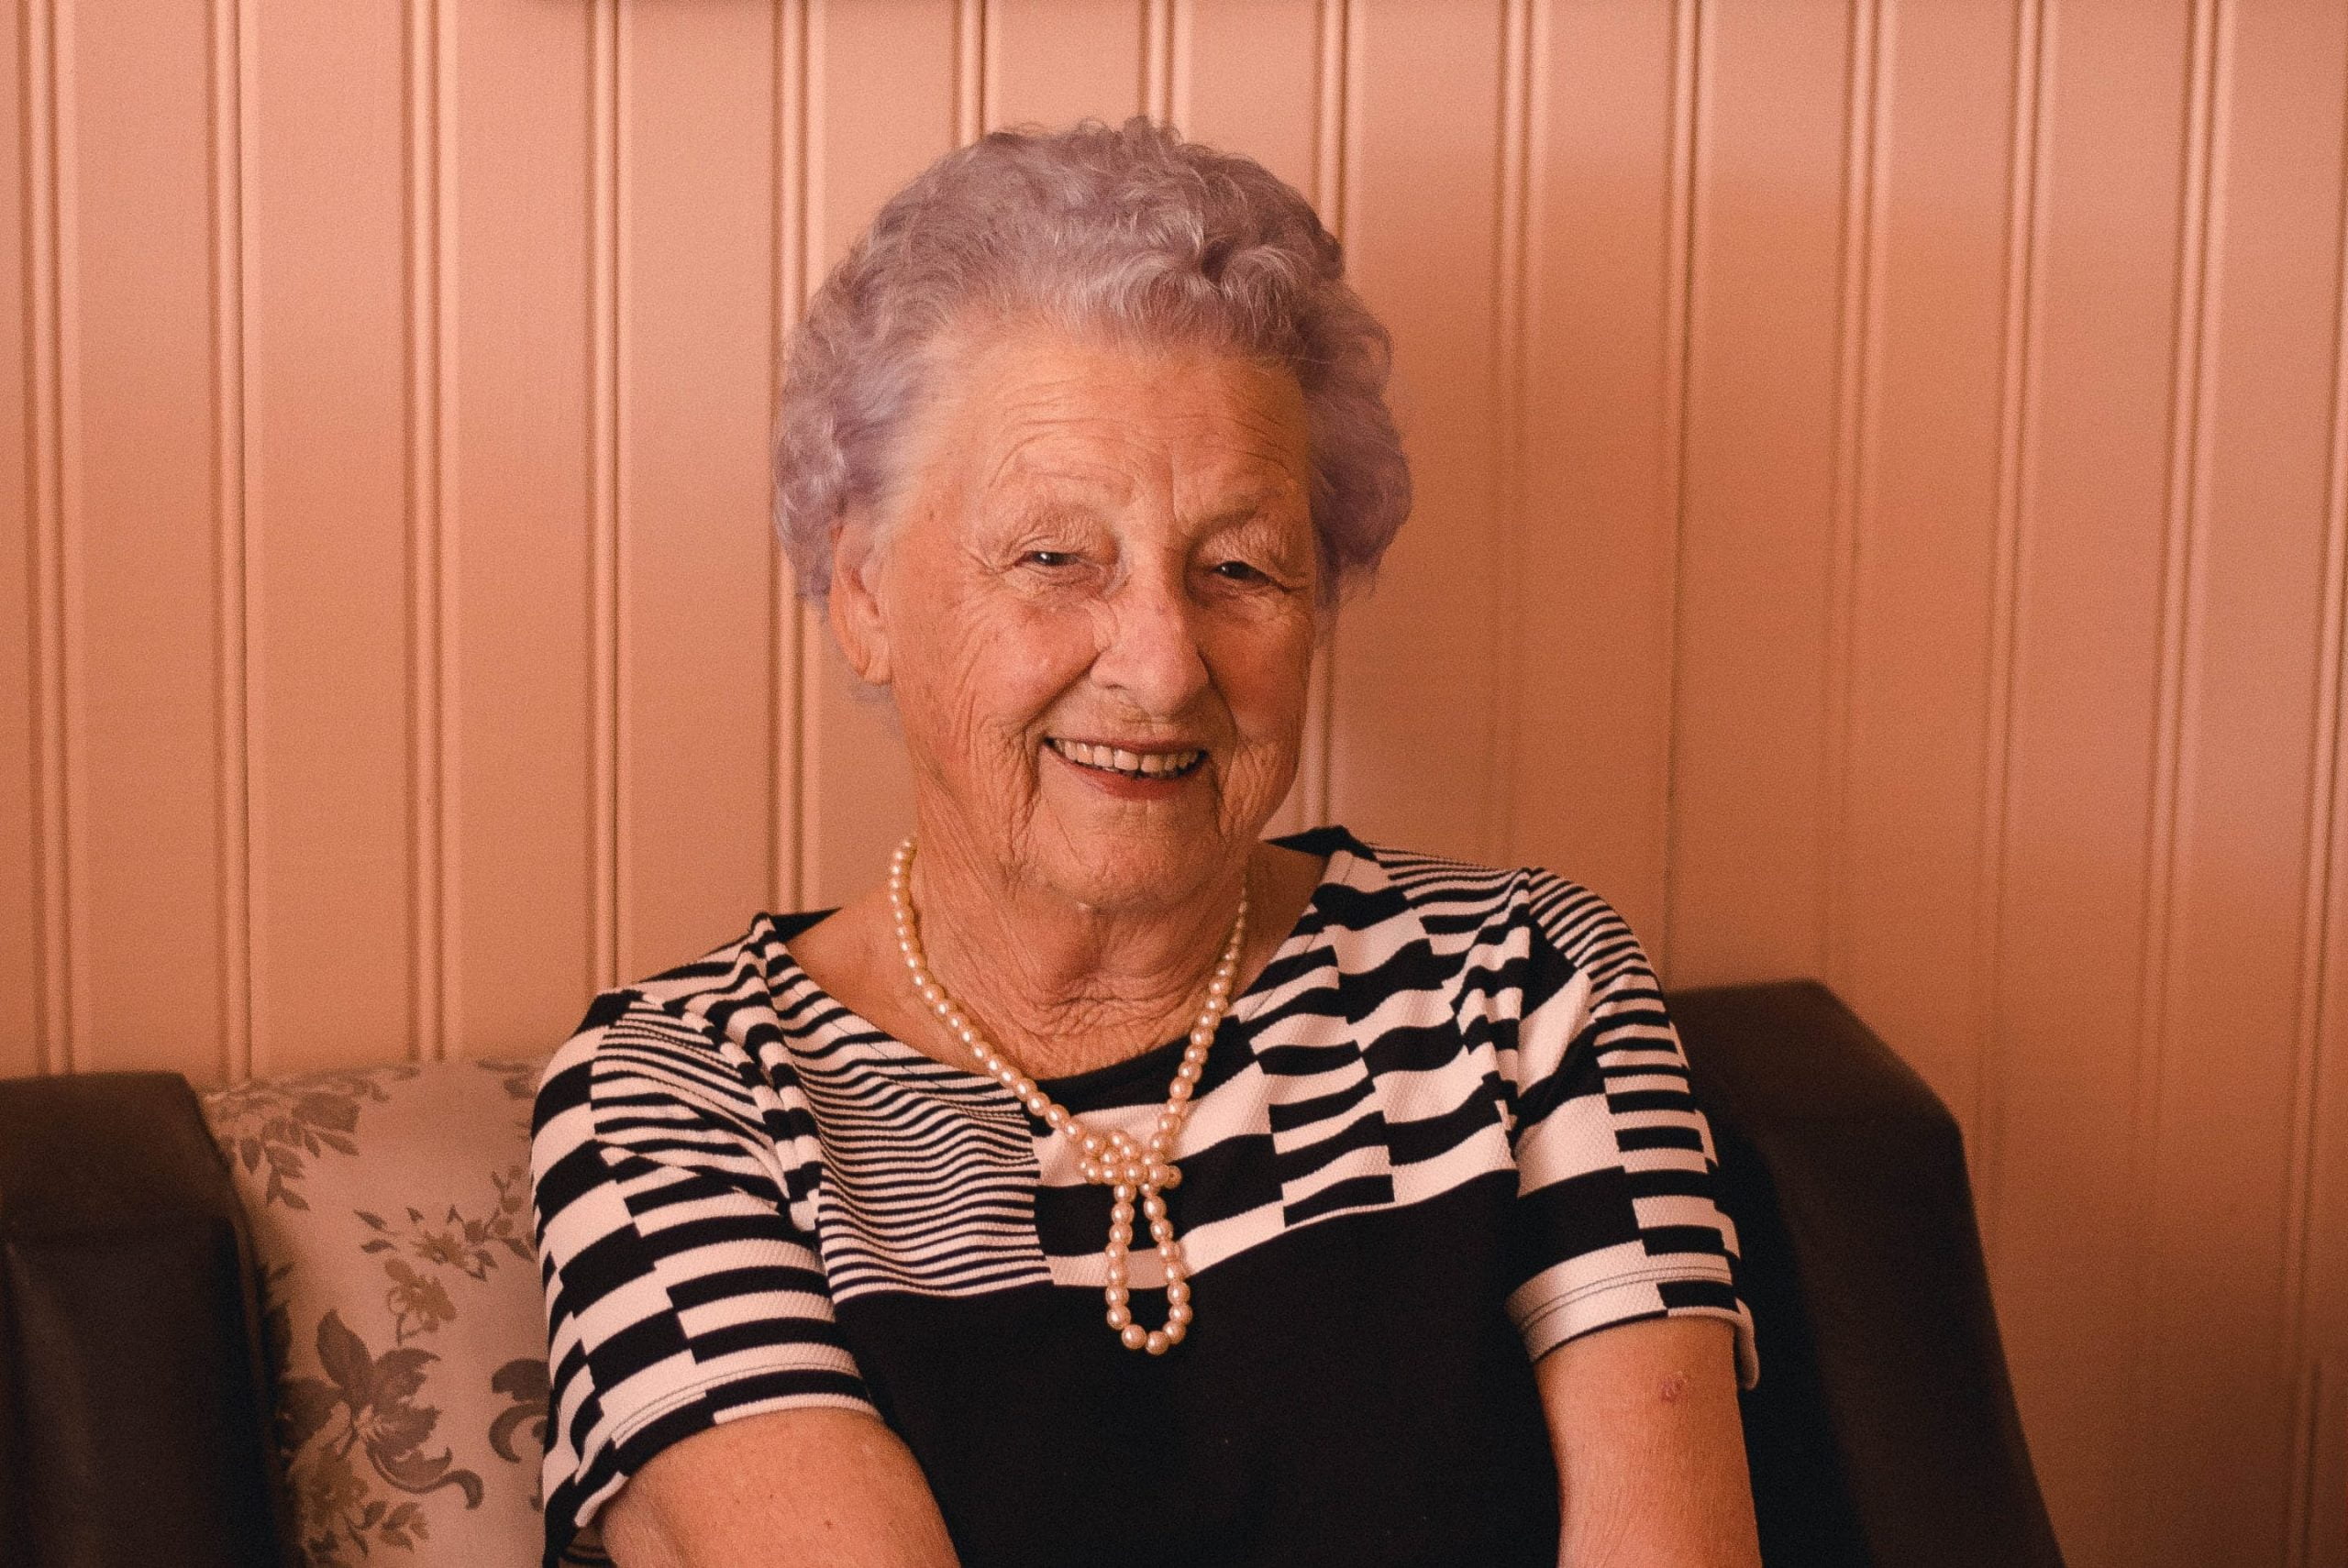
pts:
[390, 1208]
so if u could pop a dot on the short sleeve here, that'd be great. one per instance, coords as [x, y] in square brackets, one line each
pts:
[681, 1290]
[1618, 1215]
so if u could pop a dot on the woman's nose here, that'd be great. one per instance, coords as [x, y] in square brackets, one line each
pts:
[1152, 657]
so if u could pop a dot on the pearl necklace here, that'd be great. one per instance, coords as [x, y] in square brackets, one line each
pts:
[1109, 1159]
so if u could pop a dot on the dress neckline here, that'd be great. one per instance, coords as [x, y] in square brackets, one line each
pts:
[1076, 1091]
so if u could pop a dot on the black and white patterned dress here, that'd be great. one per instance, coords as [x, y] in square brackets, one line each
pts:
[1447, 1128]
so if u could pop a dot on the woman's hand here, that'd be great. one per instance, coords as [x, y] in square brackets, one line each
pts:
[791, 1489]
[1650, 1453]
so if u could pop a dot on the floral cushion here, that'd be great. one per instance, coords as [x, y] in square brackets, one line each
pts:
[390, 1212]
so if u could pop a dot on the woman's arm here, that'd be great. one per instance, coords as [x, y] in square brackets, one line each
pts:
[1650, 1453]
[789, 1489]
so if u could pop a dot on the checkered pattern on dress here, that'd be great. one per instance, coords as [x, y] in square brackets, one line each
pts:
[724, 1154]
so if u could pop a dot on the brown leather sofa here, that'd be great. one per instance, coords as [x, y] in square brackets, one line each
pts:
[136, 1411]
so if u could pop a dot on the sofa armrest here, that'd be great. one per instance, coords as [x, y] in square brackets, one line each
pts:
[1884, 1430]
[134, 1412]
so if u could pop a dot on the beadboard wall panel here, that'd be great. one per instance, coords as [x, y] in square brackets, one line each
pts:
[2091, 774]
[1424, 162]
[21, 720]
[326, 531]
[1921, 448]
[1051, 61]
[1601, 372]
[1769, 288]
[1883, 514]
[149, 575]
[891, 86]
[528, 110]
[2256, 448]
[699, 111]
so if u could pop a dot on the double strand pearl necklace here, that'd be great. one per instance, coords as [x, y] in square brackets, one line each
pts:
[1111, 1159]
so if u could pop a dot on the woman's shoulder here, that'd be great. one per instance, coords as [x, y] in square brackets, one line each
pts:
[676, 1028]
[1455, 898]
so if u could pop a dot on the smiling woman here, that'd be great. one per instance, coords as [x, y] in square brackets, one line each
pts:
[852, 1230]
[1121, 541]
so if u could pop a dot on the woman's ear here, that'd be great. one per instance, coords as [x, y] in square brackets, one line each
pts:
[855, 601]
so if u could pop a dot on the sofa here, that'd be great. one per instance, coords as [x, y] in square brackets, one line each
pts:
[295, 1322]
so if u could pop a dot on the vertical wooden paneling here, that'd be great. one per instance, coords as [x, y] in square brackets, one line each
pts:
[695, 589]
[2017, 346]
[141, 561]
[1245, 73]
[20, 984]
[428, 321]
[2317, 1278]
[1422, 193]
[325, 371]
[883, 78]
[2096, 430]
[1591, 645]
[519, 465]
[1751, 707]
[787, 289]
[2223, 1111]
[1924, 495]
[1052, 62]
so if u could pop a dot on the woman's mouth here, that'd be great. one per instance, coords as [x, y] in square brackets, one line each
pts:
[1130, 763]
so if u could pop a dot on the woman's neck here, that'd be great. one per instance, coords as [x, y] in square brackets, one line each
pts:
[1062, 985]
[1059, 987]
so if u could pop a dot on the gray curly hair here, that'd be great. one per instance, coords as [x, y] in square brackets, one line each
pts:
[1128, 229]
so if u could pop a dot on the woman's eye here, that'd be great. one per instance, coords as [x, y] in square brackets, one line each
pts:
[1237, 571]
[1051, 558]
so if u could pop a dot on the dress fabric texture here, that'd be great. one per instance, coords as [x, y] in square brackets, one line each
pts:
[1446, 1129]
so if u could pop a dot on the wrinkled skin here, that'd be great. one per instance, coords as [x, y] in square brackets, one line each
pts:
[1095, 542]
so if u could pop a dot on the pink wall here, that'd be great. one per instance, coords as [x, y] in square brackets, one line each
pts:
[1884, 517]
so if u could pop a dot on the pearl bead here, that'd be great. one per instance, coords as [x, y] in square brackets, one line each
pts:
[1113, 1159]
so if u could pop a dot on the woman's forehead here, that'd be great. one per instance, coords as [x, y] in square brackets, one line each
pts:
[1047, 410]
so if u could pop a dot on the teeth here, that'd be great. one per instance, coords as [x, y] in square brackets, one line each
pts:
[1149, 764]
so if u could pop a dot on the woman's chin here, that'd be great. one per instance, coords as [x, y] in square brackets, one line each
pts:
[1120, 849]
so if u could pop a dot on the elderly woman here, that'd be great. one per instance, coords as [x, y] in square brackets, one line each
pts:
[1110, 1186]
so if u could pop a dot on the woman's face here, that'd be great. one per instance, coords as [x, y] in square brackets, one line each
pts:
[1095, 605]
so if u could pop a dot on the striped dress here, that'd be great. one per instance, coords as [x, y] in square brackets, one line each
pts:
[1447, 1128]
